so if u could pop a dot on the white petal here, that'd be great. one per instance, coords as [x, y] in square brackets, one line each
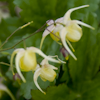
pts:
[63, 36]
[67, 14]
[36, 50]
[49, 22]
[59, 20]
[36, 75]
[84, 24]
[48, 30]
[57, 28]
[37, 66]
[19, 55]
[52, 67]
[12, 57]
[4, 88]
[44, 61]
[45, 33]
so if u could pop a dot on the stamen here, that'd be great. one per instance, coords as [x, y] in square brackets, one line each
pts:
[70, 45]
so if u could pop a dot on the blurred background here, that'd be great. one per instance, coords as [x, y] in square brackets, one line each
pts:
[76, 80]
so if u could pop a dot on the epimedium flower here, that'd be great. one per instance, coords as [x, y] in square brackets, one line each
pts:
[46, 72]
[64, 29]
[25, 60]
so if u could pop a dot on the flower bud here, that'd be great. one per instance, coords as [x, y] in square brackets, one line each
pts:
[16, 77]
[64, 53]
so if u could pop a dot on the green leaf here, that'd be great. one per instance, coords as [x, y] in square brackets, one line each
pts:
[29, 85]
[87, 50]
[60, 92]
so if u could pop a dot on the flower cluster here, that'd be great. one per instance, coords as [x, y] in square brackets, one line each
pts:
[61, 30]
[26, 61]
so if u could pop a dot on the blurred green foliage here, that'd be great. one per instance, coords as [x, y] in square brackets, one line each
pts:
[76, 80]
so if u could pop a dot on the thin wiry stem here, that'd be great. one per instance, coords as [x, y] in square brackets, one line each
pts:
[9, 37]
[24, 44]
[39, 30]
[25, 38]
[3, 63]
[14, 33]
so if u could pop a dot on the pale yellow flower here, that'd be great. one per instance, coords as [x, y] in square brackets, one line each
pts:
[46, 72]
[65, 29]
[25, 60]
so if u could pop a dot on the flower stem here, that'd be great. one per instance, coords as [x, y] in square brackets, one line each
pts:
[14, 33]
[3, 63]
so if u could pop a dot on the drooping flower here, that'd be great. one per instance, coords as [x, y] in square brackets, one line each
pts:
[46, 72]
[25, 60]
[66, 30]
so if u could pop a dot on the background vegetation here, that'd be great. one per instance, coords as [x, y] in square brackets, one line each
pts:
[76, 80]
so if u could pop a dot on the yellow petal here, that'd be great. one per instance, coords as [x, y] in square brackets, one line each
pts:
[48, 74]
[28, 61]
[55, 36]
[74, 32]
